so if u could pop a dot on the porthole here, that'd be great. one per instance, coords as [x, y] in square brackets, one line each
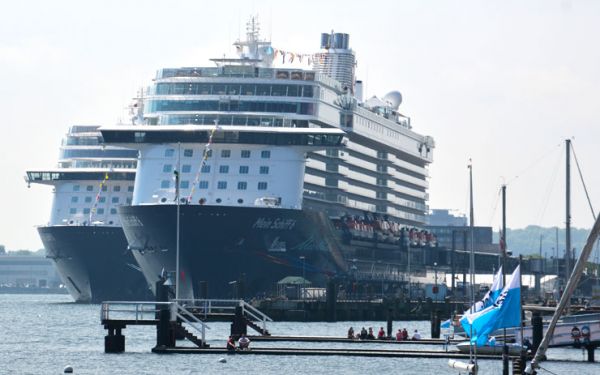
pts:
[163, 200]
[218, 200]
[202, 201]
[110, 222]
[240, 201]
[183, 200]
[70, 221]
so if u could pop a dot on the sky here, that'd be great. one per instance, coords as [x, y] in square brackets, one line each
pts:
[502, 83]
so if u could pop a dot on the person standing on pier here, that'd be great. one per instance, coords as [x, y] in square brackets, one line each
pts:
[381, 334]
[399, 335]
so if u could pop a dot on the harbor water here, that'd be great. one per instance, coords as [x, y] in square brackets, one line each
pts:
[41, 334]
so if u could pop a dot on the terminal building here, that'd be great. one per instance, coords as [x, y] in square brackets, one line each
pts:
[27, 271]
[449, 227]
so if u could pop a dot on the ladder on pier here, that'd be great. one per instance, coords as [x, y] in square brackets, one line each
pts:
[116, 316]
[210, 309]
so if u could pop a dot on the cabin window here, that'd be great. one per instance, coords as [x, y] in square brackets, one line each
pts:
[244, 169]
[222, 185]
[113, 211]
[86, 211]
[74, 199]
[169, 152]
[205, 169]
[203, 185]
[75, 187]
[117, 188]
[262, 186]
[245, 154]
[184, 184]
[88, 199]
[264, 170]
[101, 211]
[188, 153]
[225, 153]
[130, 188]
[89, 188]
[102, 200]
[224, 169]
[186, 168]
[266, 154]
[164, 184]
[167, 168]
[72, 211]
[115, 200]
[242, 185]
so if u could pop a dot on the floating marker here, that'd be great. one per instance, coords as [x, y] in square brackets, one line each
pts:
[68, 369]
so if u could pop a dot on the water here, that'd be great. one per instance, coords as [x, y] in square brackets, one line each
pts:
[41, 334]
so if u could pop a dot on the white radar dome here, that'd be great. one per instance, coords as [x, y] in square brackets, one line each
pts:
[394, 98]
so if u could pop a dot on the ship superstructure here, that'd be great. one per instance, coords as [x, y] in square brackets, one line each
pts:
[373, 190]
[84, 237]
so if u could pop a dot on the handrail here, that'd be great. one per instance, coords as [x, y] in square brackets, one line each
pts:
[183, 318]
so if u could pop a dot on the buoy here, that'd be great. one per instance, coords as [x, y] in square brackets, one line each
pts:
[471, 367]
[222, 360]
[68, 369]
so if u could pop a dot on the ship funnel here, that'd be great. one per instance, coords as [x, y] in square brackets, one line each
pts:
[336, 59]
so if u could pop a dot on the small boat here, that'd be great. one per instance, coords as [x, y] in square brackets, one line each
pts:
[513, 349]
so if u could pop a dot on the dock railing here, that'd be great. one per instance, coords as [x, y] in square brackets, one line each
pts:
[145, 313]
[207, 307]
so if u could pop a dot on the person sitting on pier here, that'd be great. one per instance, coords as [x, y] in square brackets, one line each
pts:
[404, 334]
[230, 344]
[370, 336]
[244, 343]
[416, 336]
[351, 333]
[381, 334]
[363, 334]
[399, 335]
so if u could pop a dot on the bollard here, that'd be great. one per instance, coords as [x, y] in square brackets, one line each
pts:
[114, 343]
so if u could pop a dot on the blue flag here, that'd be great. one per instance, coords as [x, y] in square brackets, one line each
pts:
[491, 296]
[445, 324]
[504, 313]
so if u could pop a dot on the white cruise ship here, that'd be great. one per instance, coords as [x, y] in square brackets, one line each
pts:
[266, 186]
[84, 237]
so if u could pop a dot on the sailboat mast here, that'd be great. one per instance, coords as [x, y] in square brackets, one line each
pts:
[504, 249]
[473, 348]
[568, 212]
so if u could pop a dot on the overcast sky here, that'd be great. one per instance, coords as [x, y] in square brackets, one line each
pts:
[500, 82]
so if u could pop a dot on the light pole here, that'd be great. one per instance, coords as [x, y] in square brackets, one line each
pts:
[177, 272]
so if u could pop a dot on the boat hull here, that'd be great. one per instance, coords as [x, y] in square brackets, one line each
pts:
[231, 251]
[94, 263]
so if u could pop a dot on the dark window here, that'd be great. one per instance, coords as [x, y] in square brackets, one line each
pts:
[75, 187]
[167, 168]
[186, 168]
[188, 153]
[244, 169]
[115, 200]
[224, 169]
[225, 153]
[72, 211]
[164, 184]
[242, 185]
[264, 170]
[104, 188]
[169, 152]
[222, 185]
[102, 200]
[262, 186]
[113, 211]
[101, 211]
[130, 188]
[89, 188]
[74, 199]
[86, 211]
[203, 185]
[184, 184]
[205, 169]
[117, 188]
[88, 199]
[245, 153]
[265, 154]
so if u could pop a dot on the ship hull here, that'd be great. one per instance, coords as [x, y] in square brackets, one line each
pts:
[230, 252]
[94, 263]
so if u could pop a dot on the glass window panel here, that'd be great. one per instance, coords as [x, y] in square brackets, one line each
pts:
[186, 168]
[242, 185]
[262, 186]
[222, 185]
[164, 184]
[244, 169]
[188, 153]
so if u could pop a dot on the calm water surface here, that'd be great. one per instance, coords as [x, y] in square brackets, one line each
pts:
[43, 334]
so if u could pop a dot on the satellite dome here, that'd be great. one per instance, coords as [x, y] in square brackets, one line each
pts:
[394, 98]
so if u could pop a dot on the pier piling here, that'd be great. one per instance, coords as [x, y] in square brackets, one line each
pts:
[114, 342]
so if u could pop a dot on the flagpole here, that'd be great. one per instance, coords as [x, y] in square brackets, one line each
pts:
[177, 272]
[473, 349]
[505, 366]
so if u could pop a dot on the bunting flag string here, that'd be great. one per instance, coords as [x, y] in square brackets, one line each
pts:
[290, 57]
[202, 164]
[102, 183]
